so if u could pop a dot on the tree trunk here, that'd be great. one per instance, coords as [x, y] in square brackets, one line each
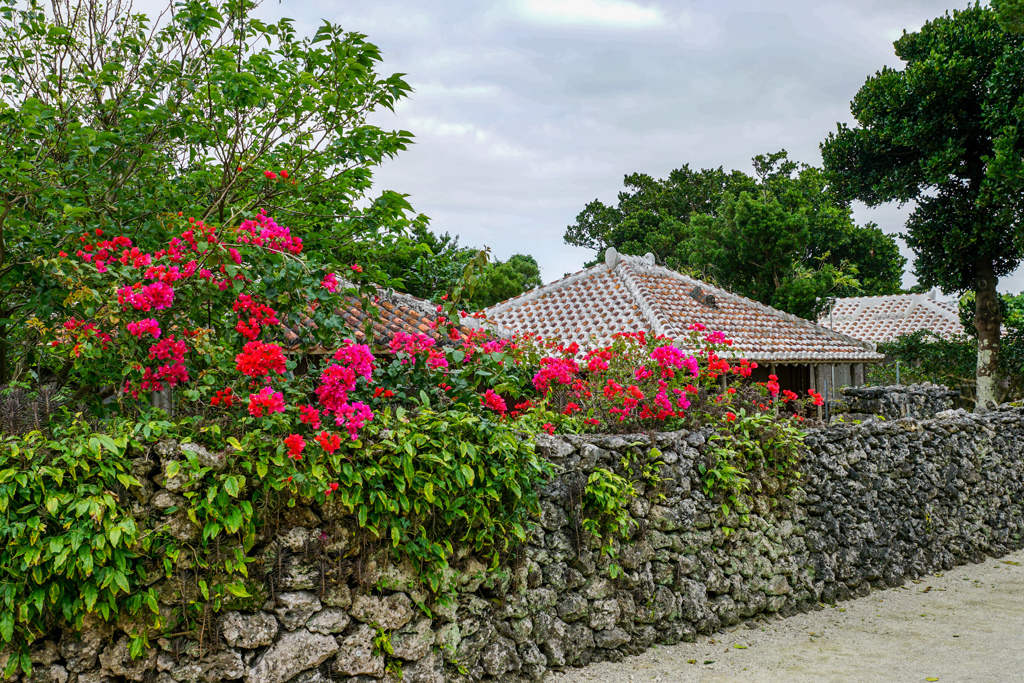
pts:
[987, 320]
[3, 354]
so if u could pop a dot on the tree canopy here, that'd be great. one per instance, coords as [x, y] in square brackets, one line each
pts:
[433, 264]
[111, 119]
[946, 132]
[780, 237]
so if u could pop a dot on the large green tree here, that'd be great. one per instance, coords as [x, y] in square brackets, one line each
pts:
[780, 237]
[946, 131]
[431, 265]
[112, 121]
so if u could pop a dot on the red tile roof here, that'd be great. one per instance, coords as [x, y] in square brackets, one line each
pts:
[883, 318]
[631, 293]
[398, 312]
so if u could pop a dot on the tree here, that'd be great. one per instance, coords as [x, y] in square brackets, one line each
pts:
[946, 132]
[781, 237]
[503, 280]
[653, 215]
[1010, 15]
[429, 265]
[111, 120]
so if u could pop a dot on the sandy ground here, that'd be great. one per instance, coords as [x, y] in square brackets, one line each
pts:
[963, 625]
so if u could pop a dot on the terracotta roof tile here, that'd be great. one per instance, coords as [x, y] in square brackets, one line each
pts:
[883, 318]
[630, 293]
[398, 312]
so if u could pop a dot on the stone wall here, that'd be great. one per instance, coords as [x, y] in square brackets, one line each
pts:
[882, 502]
[919, 401]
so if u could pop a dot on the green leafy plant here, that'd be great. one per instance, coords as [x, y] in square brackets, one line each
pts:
[751, 451]
[70, 543]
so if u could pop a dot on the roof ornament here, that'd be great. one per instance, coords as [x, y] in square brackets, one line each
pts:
[611, 257]
[698, 295]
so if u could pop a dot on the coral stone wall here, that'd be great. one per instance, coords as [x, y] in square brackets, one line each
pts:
[920, 401]
[882, 502]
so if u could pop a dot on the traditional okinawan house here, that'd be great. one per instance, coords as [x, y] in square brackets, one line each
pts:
[632, 293]
[884, 318]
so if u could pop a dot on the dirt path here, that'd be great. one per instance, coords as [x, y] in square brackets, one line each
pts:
[963, 625]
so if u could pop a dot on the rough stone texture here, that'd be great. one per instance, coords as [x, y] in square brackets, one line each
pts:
[214, 666]
[293, 653]
[248, 630]
[293, 609]
[919, 401]
[883, 501]
[356, 655]
[392, 612]
[328, 620]
[81, 650]
[116, 660]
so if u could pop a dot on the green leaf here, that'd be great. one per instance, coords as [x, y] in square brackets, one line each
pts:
[238, 590]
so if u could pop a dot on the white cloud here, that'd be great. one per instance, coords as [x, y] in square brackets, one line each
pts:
[603, 13]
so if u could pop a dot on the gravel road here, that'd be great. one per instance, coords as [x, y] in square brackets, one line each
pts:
[966, 624]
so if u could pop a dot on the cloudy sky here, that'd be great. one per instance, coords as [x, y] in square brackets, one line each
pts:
[525, 110]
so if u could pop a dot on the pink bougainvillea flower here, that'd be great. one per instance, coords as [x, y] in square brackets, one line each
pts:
[148, 326]
[358, 357]
[168, 348]
[492, 400]
[330, 283]
[270, 175]
[730, 417]
[267, 400]
[353, 416]
[356, 268]
[558, 370]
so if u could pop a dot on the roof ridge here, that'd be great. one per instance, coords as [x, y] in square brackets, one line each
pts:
[725, 294]
[623, 268]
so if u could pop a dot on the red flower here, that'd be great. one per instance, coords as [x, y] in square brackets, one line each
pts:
[492, 400]
[331, 489]
[730, 417]
[357, 268]
[223, 396]
[310, 416]
[270, 174]
[548, 427]
[284, 174]
[295, 444]
[258, 359]
[267, 399]
[329, 442]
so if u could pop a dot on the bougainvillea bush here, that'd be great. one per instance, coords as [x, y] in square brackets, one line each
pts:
[229, 336]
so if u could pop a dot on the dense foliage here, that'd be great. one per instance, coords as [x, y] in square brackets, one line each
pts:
[437, 264]
[107, 118]
[781, 237]
[946, 131]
